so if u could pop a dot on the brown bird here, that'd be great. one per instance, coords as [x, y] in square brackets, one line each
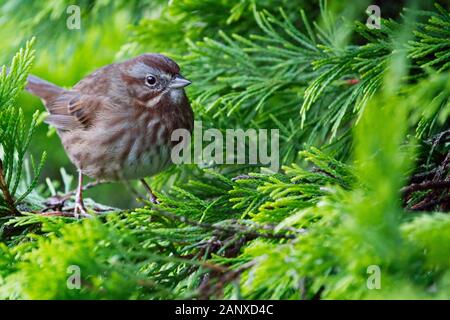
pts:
[116, 123]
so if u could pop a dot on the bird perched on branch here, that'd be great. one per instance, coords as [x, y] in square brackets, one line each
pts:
[116, 123]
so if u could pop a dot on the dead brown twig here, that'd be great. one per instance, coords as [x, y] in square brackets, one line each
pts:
[6, 194]
[433, 184]
[427, 185]
[57, 202]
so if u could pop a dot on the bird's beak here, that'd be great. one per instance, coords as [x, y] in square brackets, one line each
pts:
[179, 82]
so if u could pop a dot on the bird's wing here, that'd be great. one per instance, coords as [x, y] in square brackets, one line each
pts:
[69, 109]
[73, 110]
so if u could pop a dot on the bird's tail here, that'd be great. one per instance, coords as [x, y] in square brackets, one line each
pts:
[41, 88]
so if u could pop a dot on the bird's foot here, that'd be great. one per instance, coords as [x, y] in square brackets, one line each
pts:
[79, 211]
[153, 199]
[241, 177]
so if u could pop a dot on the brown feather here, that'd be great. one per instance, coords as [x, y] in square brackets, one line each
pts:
[43, 89]
[85, 108]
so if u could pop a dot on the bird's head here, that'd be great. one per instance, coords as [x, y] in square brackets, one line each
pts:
[150, 77]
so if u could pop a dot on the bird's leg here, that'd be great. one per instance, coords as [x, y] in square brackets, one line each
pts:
[153, 198]
[79, 209]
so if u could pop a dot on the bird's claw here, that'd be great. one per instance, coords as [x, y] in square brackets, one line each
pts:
[79, 211]
[153, 199]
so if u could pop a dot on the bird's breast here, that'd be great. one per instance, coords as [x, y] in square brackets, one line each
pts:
[144, 147]
[127, 145]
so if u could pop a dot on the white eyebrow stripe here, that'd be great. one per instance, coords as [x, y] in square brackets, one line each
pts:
[140, 69]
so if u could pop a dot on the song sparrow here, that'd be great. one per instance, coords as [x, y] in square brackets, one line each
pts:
[116, 123]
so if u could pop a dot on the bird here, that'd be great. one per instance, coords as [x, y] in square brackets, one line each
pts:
[116, 123]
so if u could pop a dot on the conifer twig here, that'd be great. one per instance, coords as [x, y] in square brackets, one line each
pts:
[425, 186]
[231, 229]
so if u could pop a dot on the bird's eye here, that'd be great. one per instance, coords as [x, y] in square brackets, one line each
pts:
[150, 80]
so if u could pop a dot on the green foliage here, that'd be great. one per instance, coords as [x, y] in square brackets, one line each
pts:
[183, 21]
[42, 17]
[432, 44]
[15, 136]
[353, 232]
[298, 75]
